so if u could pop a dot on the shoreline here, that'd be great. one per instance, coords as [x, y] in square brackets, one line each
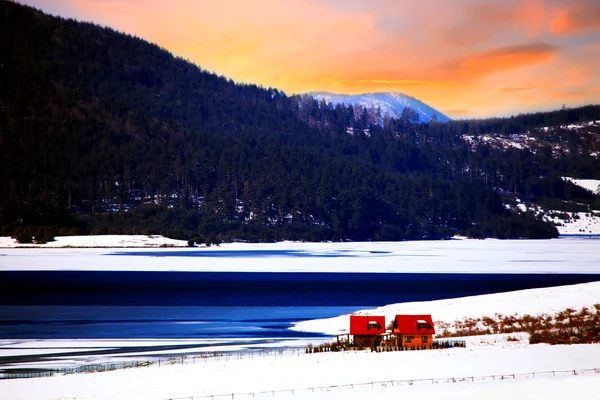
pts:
[159, 241]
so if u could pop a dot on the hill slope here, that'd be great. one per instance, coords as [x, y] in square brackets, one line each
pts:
[95, 123]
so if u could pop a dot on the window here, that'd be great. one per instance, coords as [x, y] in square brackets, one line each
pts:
[422, 324]
[424, 339]
[407, 339]
[373, 325]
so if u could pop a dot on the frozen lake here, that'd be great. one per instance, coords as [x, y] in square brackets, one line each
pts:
[257, 291]
[563, 255]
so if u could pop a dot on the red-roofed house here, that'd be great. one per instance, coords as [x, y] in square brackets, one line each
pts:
[413, 330]
[366, 329]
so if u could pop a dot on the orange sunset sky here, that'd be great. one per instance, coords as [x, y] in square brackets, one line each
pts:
[467, 58]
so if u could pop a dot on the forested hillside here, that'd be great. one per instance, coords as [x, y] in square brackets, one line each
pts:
[102, 132]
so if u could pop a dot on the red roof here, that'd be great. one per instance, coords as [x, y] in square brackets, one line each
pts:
[367, 325]
[414, 325]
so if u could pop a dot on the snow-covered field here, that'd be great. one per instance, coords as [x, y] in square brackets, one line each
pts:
[566, 255]
[477, 363]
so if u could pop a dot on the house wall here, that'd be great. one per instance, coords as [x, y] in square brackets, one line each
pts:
[416, 341]
[364, 340]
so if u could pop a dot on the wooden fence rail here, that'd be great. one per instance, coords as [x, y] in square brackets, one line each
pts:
[392, 383]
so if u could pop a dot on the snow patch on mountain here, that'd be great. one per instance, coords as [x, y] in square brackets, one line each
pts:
[566, 222]
[390, 103]
[553, 137]
[593, 185]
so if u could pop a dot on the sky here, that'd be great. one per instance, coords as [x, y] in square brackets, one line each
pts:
[466, 58]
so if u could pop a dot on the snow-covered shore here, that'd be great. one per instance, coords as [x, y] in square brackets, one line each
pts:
[104, 241]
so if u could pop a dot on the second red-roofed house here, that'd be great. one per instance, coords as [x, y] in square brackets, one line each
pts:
[365, 330]
[413, 331]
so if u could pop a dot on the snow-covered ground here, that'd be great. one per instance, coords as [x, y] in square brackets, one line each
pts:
[531, 301]
[536, 139]
[577, 223]
[100, 241]
[567, 255]
[477, 363]
[567, 223]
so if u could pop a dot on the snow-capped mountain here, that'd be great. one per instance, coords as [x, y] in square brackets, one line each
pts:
[390, 103]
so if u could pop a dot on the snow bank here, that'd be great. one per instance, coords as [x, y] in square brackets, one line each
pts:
[301, 372]
[100, 241]
[532, 302]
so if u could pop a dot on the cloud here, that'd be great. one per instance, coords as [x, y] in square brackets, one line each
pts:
[575, 18]
[453, 54]
[391, 82]
[518, 89]
[486, 20]
[508, 57]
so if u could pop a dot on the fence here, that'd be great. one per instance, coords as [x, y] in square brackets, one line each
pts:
[392, 383]
[383, 347]
[163, 360]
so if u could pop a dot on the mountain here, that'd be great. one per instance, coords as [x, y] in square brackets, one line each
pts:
[105, 133]
[391, 104]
